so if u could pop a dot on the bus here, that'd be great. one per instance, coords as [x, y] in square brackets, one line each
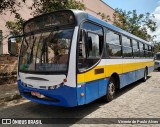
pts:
[70, 58]
[157, 61]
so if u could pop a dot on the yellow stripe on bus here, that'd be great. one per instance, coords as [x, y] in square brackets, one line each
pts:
[110, 69]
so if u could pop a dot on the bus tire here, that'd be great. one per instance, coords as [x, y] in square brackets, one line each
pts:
[145, 75]
[111, 89]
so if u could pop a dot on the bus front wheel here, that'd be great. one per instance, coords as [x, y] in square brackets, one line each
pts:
[111, 89]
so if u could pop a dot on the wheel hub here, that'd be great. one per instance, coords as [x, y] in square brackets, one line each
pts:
[111, 88]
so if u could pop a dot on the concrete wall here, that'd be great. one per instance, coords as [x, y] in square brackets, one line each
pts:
[1, 45]
[8, 69]
[8, 65]
[95, 7]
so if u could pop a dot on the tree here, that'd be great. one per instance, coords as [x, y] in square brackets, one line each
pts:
[38, 7]
[9, 5]
[46, 6]
[13, 6]
[157, 47]
[137, 24]
[15, 27]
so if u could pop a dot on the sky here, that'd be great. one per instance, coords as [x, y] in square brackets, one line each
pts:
[142, 7]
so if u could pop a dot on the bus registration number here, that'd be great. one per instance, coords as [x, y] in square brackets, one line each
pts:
[37, 94]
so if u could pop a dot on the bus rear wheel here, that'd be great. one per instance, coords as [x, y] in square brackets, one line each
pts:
[111, 89]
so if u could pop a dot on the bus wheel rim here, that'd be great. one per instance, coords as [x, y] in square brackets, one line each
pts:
[111, 88]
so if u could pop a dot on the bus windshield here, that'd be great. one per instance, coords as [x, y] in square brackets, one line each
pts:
[45, 51]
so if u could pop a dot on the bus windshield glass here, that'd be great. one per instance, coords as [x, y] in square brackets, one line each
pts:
[45, 51]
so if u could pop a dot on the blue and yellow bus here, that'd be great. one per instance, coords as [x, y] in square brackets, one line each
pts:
[71, 58]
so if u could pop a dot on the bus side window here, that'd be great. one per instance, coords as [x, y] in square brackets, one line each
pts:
[135, 46]
[141, 47]
[113, 45]
[127, 47]
[90, 45]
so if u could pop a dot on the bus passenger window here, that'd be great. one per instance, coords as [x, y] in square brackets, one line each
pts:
[113, 44]
[141, 47]
[114, 50]
[135, 47]
[127, 52]
[127, 49]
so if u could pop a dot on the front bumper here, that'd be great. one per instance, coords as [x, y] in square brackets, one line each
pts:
[62, 96]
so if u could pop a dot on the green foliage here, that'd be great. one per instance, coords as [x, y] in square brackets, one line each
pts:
[13, 6]
[15, 27]
[38, 7]
[134, 23]
[8, 5]
[156, 46]
[104, 16]
[46, 6]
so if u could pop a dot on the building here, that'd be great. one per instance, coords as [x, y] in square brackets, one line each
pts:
[1, 46]
[98, 8]
[95, 7]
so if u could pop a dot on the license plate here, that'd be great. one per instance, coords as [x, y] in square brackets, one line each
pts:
[37, 94]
